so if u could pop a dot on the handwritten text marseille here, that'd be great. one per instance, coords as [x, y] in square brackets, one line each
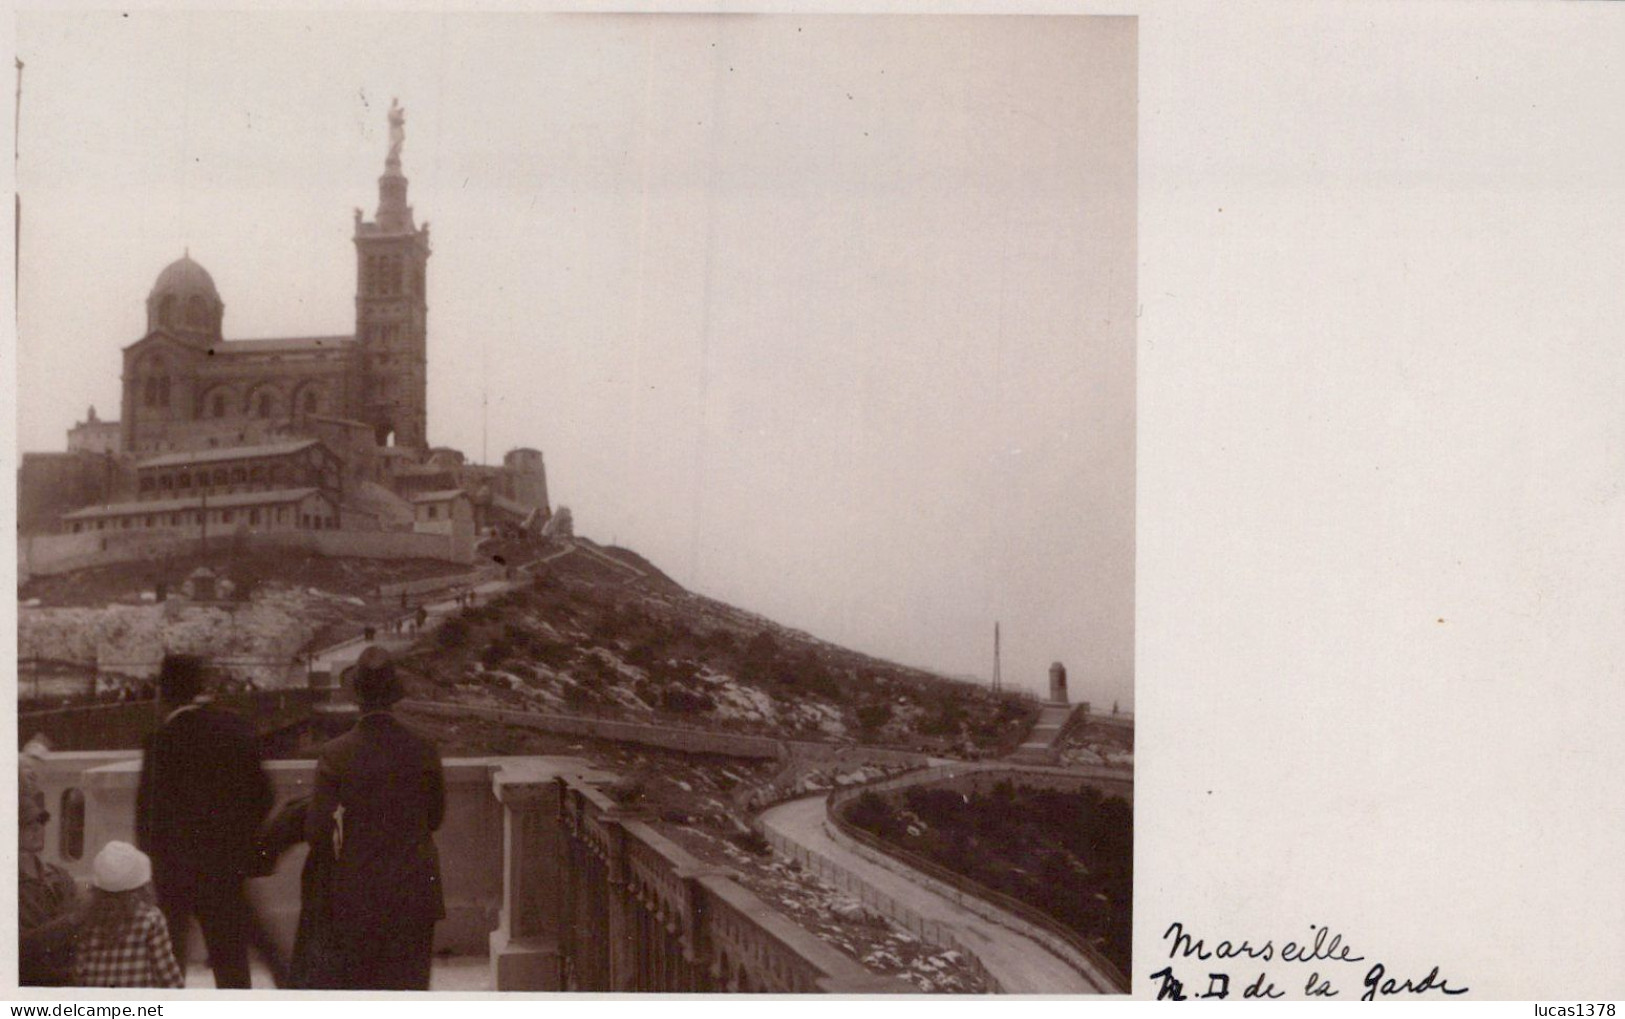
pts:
[1324, 947]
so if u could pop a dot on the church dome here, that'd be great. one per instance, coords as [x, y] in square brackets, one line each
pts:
[184, 299]
[185, 277]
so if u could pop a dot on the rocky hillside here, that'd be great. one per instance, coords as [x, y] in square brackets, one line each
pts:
[258, 639]
[602, 632]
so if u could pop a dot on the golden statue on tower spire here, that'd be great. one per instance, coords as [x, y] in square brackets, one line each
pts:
[397, 132]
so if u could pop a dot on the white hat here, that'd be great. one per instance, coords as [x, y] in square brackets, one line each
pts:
[120, 867]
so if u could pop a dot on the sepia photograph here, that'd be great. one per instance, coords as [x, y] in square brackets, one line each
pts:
[528, 502]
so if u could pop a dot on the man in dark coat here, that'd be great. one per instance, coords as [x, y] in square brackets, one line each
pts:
[199, 806]
[379, 798]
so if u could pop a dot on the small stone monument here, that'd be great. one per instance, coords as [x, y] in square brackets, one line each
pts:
[1057, 683]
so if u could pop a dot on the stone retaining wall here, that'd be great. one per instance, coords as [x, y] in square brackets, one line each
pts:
[52, 554]
[929, 931]
[692, 741]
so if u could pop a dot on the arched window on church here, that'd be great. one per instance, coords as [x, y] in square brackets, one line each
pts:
[310, 402]
[265, 405]
[149, 395]
[197, 312]
[163, 390]
[166, 310]
[219, 409]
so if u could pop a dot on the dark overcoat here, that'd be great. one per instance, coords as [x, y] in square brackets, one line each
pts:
[201, 798]
[379, 798]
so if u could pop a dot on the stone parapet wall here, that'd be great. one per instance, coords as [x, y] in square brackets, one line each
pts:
[542, 872]
[427, 585]
[983, 777]
[642, 915]
[469, 841]
[51, 554]
[125, 724]
[692, 741]
[372, 544]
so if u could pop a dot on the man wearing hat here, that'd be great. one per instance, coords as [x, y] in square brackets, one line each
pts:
[199, 806]
[379, 798]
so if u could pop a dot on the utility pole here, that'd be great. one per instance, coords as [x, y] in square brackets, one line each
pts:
[998, 680]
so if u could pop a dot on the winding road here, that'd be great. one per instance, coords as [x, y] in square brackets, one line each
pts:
[1020, 964]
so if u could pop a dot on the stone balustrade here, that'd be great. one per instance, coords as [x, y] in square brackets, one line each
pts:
[641, 914]
[543, 873]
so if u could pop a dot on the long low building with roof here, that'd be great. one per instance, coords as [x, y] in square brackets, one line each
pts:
[286, 509]
[266, 467]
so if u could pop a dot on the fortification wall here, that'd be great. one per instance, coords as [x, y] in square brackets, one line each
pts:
[52, 554]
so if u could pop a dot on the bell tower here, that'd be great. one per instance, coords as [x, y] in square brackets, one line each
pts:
[391, 308]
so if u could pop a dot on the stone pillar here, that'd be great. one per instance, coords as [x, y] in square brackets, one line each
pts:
[525, 946]
[699, 955]
[1057, 683]
[623, 928]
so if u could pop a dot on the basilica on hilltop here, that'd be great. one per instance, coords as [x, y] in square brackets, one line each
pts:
[320, 432]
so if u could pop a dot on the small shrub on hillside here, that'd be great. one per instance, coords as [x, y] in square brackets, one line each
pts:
[683, 702]
[942, 719]
[873, 717]
[757, 663]
[453, 633]
[873, 813]
[751, 842]
[509, 600]
[495, 653]
[553, 654]
[479, 614]
[641, 655]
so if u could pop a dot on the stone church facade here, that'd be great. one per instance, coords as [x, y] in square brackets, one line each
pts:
[187, 387]
[205, 418]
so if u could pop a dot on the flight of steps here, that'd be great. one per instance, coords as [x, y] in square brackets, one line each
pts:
[1039, 746]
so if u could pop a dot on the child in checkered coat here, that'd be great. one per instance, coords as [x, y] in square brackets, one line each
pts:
[124, 941]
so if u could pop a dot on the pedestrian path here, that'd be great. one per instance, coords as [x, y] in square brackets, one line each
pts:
[1039, 746]
[338, 657]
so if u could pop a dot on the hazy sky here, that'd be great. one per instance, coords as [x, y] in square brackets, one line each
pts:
[831, 318]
